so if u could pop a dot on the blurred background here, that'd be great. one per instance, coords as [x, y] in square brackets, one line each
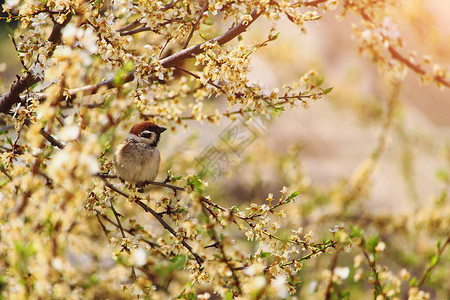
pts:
[396, 134]
[340, 131]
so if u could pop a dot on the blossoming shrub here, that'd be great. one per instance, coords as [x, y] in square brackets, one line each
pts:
[69, 229]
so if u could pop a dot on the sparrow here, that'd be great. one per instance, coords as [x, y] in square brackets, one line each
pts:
[137, 158]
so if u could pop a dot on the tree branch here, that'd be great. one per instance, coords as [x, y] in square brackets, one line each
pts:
[197, 21]
[163, 184]
[173, 60]
[159, 218]
[22, 83]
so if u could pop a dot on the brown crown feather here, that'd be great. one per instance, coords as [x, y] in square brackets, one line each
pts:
[146, 125]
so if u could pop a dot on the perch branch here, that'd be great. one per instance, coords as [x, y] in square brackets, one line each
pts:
[158, 217]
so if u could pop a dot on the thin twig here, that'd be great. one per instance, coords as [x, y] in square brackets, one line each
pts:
[106, 231]
[170, 186]
[117, 215]
[378, 288]
[170, 229]
[158, 217]
[169, 5]
[47, 136]
[198, 77]
[431, 266]
[164, 47]
[396, 55]
[14, 145]
[197, 21]
[163, 184]
[131, 232]
[313, 3]
[219, 244]
[308, 256]
[330, 282]
[148, 28]
[130, 26]
[3, 170]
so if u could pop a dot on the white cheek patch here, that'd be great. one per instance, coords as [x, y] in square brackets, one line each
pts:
[149, 139]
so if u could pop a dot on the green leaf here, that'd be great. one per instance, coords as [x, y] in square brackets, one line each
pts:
[273, 37]
[123, 72]
[438, 244]
[94, 278]
[276, 108]
[413, 281]
[435, 260]
[265, 254]
[179, 261]
[319, 81]
[209, 21]
[356, 231]
[327, 90]
[440, 199]
[195, 183]
[293, 195]
[443, 176]
[129, 112]
[372, 243]
[4, 181]
[327, 242]
[229, 295]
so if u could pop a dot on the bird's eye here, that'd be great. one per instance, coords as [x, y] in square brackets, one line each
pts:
[146, 134]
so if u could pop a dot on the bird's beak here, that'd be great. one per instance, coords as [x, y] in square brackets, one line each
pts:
[161, 129]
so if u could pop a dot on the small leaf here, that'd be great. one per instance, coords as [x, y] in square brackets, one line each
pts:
[229, 295]
[443, 176]
[273, 37]
[356, 231]
[434, 260]
[327, 90]
[277, 108]
[4, 181]
[265, 254]
[372, 243]
[293, 195]
[209, 21]
[179, 261]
